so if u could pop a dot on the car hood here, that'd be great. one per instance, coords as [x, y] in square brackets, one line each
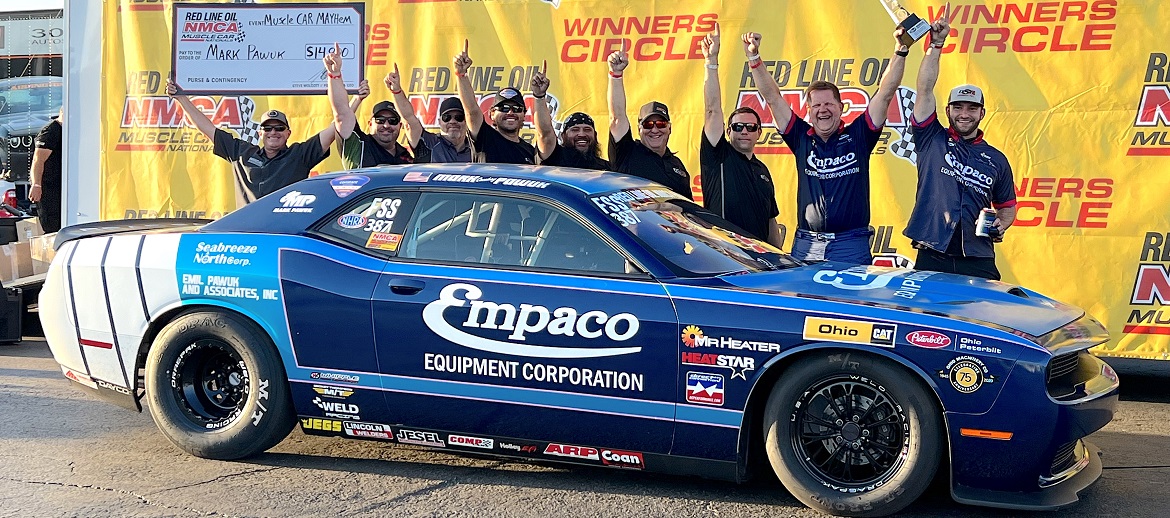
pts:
[957, 296]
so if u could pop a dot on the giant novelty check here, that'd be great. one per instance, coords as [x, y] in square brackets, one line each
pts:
[264, 49]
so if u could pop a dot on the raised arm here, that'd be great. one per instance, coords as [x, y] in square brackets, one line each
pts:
[546, 134]
[195, 115]
[363, 92]
[712, 97]
[343, 117]
[879, 107]
[765, 83]
[925, 103]
[619, 122]
[467, 94]
[414, 127]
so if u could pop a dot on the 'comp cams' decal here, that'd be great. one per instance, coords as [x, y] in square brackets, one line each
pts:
[561, 321]
[849, 331]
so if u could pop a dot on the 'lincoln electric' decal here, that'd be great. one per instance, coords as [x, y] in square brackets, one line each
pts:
[528, 318]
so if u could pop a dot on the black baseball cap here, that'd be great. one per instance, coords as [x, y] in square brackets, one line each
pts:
[509, 95]
[450, 103]
[653, 108]
[275, 115]
[384, 106]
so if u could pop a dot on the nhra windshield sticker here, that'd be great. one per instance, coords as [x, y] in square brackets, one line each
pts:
[705, 389]
[562, 321]
[966, 374]
[849, 331]
[346, 185]
[351, 221]
[864, 277]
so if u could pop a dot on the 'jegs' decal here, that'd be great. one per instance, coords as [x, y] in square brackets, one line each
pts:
[528, 318]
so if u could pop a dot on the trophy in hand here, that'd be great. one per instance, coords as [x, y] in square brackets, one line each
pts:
[913, 27]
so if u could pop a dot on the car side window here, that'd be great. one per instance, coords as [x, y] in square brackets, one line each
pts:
[482, 229]
[374, 222]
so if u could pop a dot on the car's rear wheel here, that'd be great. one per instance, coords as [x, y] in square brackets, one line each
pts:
[852, 434]
[216, 386]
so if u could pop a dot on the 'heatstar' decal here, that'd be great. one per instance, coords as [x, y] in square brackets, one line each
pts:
[564, 321]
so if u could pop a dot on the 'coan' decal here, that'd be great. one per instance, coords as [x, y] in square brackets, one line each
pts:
[563, 321]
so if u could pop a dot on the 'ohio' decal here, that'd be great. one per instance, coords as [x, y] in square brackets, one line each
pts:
[563, 321]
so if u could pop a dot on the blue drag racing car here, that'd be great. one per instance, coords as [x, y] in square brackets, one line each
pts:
[583, 317]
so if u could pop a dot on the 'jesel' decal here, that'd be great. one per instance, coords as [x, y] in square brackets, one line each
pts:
[564, 321]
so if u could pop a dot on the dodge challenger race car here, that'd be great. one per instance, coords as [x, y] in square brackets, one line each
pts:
[590, 318]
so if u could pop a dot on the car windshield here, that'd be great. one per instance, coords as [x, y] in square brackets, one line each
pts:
[30, 96]
[693, 240]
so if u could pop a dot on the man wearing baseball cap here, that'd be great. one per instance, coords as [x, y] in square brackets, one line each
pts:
[578, 135]
[450, 144]
[261, 170]
[959, 175]
[501, 143]
[361, 149]
[648, 157]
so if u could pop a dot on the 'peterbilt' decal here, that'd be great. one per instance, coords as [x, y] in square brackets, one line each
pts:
[564, 321]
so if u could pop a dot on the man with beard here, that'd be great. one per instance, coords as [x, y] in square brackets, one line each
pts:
[502, 143]
[649, 157]
[959, 174]
[736, 185]
[580, 148]
[450, 144]
[832, 159]
[260, 170]
[358, 149]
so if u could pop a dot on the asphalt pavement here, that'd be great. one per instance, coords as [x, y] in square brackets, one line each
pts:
[64, 453]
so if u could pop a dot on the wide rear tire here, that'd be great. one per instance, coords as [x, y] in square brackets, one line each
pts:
[216, 386]
[852, 434]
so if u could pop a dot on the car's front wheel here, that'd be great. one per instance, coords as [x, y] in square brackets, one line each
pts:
[852, 434]
[216, 386]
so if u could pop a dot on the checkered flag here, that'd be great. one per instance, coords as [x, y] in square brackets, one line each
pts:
[249, 129]
[904, 147]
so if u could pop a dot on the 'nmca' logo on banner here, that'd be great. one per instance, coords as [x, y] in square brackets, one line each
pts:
[160, 112]
[1153, 110]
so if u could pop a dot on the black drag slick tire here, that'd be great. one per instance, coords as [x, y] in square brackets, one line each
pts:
[852, 434]
[216, 386]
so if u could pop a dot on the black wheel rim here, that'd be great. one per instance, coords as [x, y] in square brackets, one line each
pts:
[850, 433]
[210, 383]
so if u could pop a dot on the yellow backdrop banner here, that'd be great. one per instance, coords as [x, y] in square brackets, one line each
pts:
[1078, 98]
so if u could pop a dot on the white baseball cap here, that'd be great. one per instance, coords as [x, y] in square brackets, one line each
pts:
[966, 93]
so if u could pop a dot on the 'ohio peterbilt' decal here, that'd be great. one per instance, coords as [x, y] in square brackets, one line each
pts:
[564, 321]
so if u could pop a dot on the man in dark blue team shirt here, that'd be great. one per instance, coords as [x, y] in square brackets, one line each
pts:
[832, 159]
[959, 174]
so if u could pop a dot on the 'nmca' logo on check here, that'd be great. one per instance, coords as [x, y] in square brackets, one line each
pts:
[528, 318]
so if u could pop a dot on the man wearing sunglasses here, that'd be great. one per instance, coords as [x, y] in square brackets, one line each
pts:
[361, 149]
[832, 159]
[450, 144]
[648, 157]
[502, 143]
[260, 170]
[736, 184]
[579, 135]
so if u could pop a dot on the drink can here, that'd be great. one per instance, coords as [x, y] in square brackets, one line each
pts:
[986, 219]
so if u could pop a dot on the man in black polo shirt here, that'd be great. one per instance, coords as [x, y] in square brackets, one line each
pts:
[261, 170]
[45, 175]
[358, 149]
[450, 144]
[502, 143]
[649, 157]
[736, 185]
[959, 174]
[832, 159]
[580, 148]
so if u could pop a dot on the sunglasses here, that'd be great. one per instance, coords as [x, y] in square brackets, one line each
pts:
[458, 116]
[393, 121]
[741, 126]
[511, 108]
[659, 123]
[277, 129]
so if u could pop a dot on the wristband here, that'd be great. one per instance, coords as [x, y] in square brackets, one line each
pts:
[36, 185]
[755, 65]
[460, 74]
[713, 67]
[615, 76]
[753, 57]
[395, 92]
[539, 96]
[902, 53]
[331, 76]
[938, 45]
